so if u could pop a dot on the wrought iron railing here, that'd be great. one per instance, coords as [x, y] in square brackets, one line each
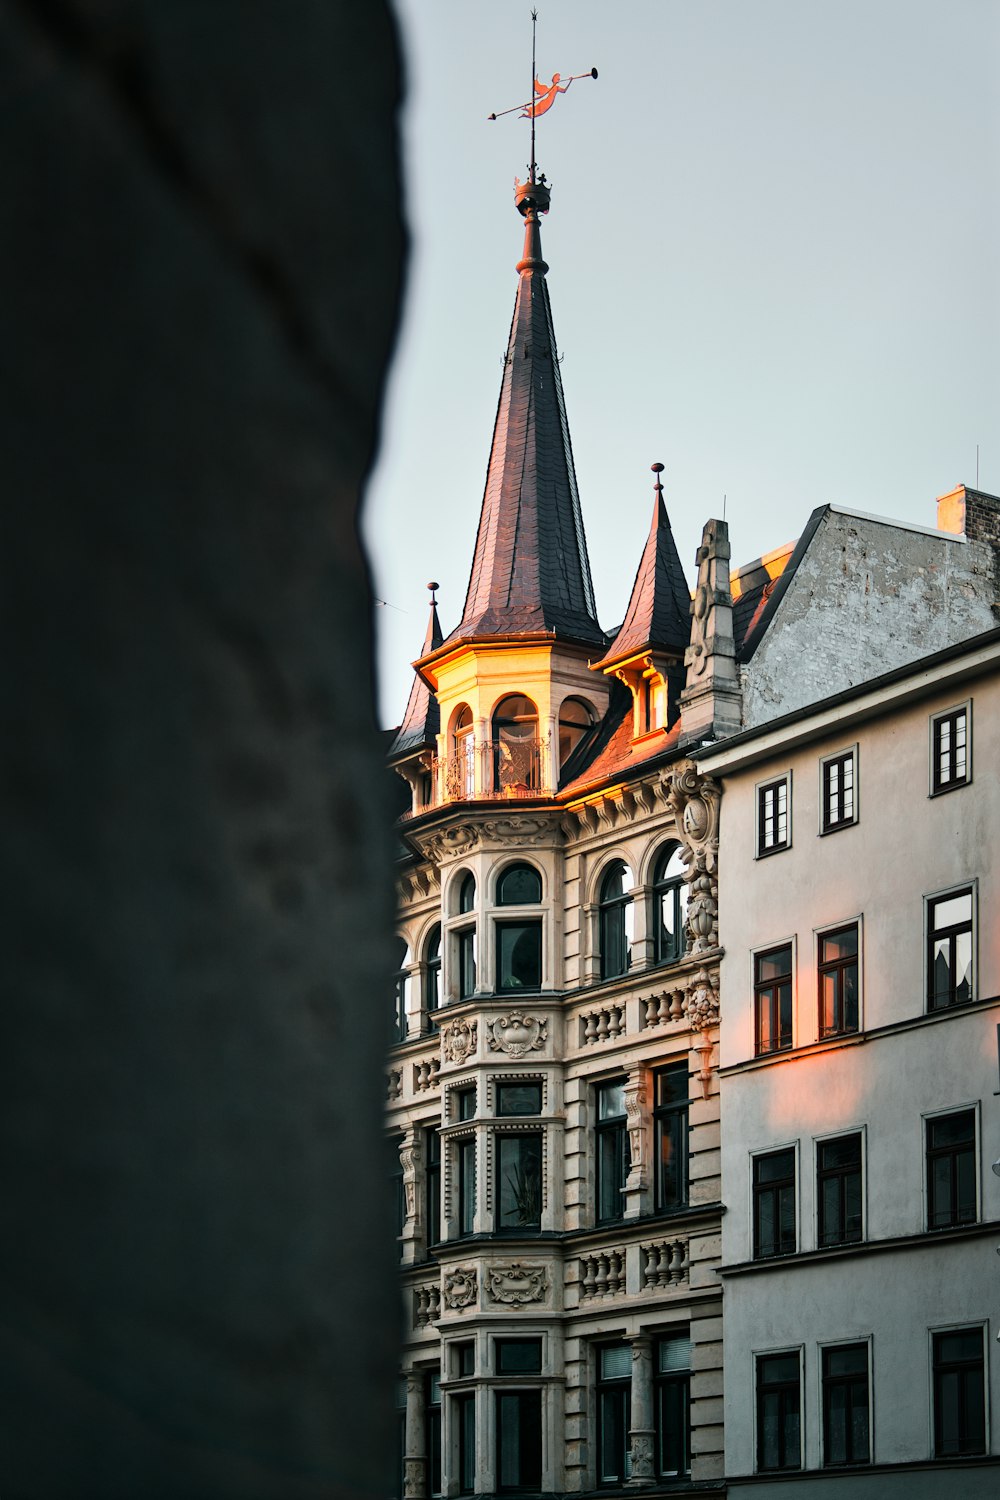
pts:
[509, 769]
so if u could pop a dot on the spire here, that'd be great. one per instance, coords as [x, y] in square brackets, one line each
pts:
[422, 719]
[658, 614]
[530, 570]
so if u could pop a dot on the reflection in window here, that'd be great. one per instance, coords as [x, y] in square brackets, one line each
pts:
[432, 976]
[575, 718]
[949, 950]
[519, 885]
[670, 1123]
[519, 955]
[615, 919]
[613, 1157]
[516, 765]
[466, 940]
[838, 981]
[669, 905]
[772, 975]
[519, 1182]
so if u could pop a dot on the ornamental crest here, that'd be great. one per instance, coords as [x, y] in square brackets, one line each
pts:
[460, 1287]
[702, 1002]
[458, 1040]
[516, 1034]
[515, 1284]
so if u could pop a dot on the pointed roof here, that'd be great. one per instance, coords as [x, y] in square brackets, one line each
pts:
[422, 719]
[530, 570]
[659, 612]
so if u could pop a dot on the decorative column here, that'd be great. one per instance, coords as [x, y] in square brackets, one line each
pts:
[636, 1101]
[409, 1156]
[415, 1446]
[482, 770]
[549, 755]
[641, 1429]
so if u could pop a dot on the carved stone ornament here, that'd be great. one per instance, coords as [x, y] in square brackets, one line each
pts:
[694, 802]
[702, 1002]
[460, 1287]
[516, 1034]
[458, 1039]
[515, 1284]
[442, 843]
[518, 830]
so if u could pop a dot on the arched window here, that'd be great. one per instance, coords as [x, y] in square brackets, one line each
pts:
[467, 894]
[519, 941]
[670, 894]
[432, 976]
[402, 990]
[615, 912]
[519, 885]
[465, 940]
[575, 718]
[515, 746]
[462, 771]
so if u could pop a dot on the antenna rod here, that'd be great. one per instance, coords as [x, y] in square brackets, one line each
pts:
[531, 95]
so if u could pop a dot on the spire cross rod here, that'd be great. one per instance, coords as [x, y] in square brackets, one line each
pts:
[534, 75]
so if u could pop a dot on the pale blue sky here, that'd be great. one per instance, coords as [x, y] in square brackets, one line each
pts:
[775, 266]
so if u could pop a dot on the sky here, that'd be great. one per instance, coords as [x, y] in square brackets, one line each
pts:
[774, 251]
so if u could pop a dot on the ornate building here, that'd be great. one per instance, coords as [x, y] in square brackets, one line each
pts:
[553, 1087]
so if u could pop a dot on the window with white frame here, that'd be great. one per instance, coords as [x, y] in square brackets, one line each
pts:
[839, 790]
[837, 980]
[950, 948]
[951, 749]
[774, 815]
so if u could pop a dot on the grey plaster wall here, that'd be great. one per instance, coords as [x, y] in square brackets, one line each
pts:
[866, 597]
[201, 250]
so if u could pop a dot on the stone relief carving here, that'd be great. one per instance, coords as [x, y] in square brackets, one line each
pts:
[518, 831]
[459, 838]
[460, 1287]
[515, 1284]
[702, 1001]
[516, 1034]
[458, 1039]
[409, 1157]
[694, 802]
[635, 1103]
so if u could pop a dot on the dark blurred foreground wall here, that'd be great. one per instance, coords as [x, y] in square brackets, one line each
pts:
[200, 256]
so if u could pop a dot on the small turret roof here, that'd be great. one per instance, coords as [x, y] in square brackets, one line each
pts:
[422, 719]
[659, 612]
[530, 570]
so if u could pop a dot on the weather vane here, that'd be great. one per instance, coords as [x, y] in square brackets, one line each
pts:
[543, 95]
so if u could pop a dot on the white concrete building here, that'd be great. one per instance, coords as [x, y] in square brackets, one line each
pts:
[859, 892]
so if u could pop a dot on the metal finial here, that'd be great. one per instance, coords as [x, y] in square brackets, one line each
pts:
[657, 470]
[433, 588]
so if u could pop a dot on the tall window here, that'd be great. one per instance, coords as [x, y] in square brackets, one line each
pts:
[669, 905]
[432, 977]
[774, 1204]
[465, 1148]
[466, 940]
[516, 761]
[614, 1385]
[772, 816]
[432, 1180]
[839, 794]
[779, 1440]
[432, 1429]
[462, 771]
[518, 1418]
[613, 1158]
[950, 750]
[838, 1190]
[949, 950]
[672, 1391]
[670, 1125]
[465, 1413]
[575, 719]
[772, 985]
[518, 1181]
[959, 1392]
[951, 1170]
[519, 943]
[838, 981]
[402, 986]
[846, 1437]
[615, 919]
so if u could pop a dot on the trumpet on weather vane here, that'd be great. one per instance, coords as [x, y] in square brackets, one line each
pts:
[545, 97]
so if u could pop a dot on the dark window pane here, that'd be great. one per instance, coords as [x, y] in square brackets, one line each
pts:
[519, 1356]
[467, 894]
[519, 1440]
[519, 885]
[519, 1098]
[519, 955]
[519, 1182]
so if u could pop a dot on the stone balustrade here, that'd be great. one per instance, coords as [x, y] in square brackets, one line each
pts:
[602, 1274]
[426, 1305]
[602, 1025]
[664, 1263]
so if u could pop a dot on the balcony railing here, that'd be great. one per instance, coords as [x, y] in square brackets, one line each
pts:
[511, 769]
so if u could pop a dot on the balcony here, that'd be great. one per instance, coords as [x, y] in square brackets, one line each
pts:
[510, 769]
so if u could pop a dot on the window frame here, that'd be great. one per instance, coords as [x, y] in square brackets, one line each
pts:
[500, 1140]
[608, 909]
[931, 934]
[662, 1380]
[839, 967]
[933, 1335]
[758, 1190]
[432, 1431]
[762, 787]
[433, 1177]
[613, 1128]
[928, 1120]
[759, 986]
[679, 1110]
[938, 787]
[522, 1394]
[432, 975]
[826, 1384]
[758, 1356]
[836, 825]
[466, 1166]
[674, 887]
[616, 1389]
[820, 1176]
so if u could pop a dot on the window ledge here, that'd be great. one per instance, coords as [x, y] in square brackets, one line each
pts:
[919, 1241]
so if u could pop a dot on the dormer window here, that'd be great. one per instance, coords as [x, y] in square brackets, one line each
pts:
[516, 767]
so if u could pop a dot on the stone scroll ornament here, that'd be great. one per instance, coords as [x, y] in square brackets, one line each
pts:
[516, 1034]
[458, 1040]
[694, 802]
[515, 1284]
[460, 1287]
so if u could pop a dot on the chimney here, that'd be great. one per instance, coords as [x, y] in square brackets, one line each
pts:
[970, 513]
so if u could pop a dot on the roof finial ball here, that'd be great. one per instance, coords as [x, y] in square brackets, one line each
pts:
[433, 588]
[657, 470]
